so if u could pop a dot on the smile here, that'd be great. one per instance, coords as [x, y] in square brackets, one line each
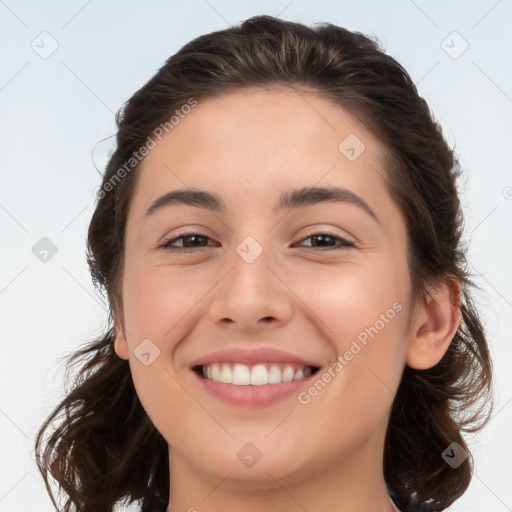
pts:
[239, 374]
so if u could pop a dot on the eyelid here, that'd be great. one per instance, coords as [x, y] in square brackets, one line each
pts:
[328, 231]
[188, 230]
[184, 234]
[346, 242]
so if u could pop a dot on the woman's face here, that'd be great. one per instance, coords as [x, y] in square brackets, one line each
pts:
[260, 277]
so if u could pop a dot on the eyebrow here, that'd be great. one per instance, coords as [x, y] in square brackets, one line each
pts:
[306, 196]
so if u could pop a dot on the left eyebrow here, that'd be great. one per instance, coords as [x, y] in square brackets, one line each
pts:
[313, 195]
[306, 196]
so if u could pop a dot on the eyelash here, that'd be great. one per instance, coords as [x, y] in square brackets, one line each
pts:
[345, 244]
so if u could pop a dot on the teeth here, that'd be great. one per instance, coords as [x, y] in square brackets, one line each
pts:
[241, 375]
[274, 375]
[287, 374]
[257, 375]
[299, 374]
[226, 375]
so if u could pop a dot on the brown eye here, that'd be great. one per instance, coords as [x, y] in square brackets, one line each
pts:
[328, 240]
[195, 240]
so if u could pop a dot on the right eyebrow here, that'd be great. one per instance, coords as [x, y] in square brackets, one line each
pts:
[190, 197]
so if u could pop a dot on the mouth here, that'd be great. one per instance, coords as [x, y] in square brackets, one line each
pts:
[255, 377]
[239, 374]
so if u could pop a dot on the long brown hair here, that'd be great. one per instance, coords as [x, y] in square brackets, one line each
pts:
[103, 449]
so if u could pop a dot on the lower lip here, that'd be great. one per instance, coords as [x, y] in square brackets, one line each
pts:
[255, 396]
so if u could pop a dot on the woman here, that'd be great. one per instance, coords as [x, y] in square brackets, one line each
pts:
[292, 328]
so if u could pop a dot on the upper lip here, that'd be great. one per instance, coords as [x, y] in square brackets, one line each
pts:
[252, 356]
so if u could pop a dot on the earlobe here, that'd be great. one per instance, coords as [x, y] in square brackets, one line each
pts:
[120, 344]
[435, 324]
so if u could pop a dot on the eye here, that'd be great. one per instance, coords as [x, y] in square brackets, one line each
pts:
[195, 239]
[327, 241]
[188, 242]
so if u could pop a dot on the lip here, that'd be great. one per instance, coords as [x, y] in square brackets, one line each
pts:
[253, 396]
[253, 356]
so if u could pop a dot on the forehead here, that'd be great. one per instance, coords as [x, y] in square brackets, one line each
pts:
[258, 140]
[277, 117]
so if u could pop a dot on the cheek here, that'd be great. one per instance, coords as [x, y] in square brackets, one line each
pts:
[156, 303]
[354, 297]
[362, 311]
[155, 299]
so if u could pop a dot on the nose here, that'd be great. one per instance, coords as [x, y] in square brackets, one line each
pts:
[252, 296]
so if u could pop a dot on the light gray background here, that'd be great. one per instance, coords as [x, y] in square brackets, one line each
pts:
[56, 109]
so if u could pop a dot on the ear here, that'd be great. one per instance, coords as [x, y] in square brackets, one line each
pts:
[435, 323]
[120, 343]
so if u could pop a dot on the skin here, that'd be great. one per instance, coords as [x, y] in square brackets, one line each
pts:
[248, 147]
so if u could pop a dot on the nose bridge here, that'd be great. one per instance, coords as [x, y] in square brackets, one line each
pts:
[250, 249]
[251, 292]
[250, 267]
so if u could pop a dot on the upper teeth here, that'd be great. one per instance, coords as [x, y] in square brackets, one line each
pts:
[243, 375]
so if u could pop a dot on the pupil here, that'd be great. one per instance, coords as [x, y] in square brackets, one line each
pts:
[323, 237]
[195, 237]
